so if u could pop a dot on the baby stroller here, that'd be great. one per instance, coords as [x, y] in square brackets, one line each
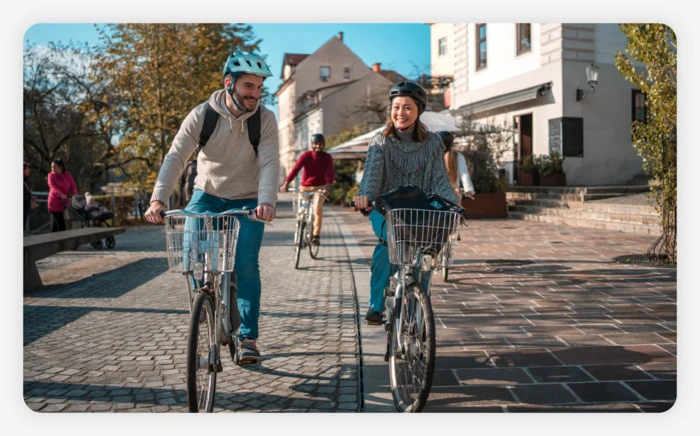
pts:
[90, 216]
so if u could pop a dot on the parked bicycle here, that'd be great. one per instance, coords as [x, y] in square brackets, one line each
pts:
[419, 241]
[202, 247]
[304, 206]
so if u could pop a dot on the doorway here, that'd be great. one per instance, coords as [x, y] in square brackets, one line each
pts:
[524, 141]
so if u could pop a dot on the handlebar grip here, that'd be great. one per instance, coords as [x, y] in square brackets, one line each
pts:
[364, 212]
[162, 214]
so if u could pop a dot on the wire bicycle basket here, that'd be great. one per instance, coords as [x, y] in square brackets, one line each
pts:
[412, 232]
[201, 241]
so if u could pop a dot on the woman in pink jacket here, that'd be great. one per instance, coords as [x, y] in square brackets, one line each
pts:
[61, 185]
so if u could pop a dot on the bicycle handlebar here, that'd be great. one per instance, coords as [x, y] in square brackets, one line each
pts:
[305, 192]
[246, 213]
[364, 212]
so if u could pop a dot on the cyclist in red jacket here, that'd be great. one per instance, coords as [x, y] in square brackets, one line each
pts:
[318, 173]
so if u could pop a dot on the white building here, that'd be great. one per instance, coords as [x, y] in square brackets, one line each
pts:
[529, 75]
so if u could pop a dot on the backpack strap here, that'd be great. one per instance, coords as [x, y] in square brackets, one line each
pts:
[210, 119]
[254, 128]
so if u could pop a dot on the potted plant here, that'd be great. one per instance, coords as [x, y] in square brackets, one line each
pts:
[552, 170]
[529, 171]
[484, 146]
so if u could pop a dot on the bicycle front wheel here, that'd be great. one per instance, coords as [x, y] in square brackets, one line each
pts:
[412, 352]
[300, 244]
[201, 376]
[313, 248]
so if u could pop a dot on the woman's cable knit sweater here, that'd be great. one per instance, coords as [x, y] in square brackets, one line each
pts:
[398, 160]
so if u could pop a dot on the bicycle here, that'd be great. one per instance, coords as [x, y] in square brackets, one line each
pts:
[446, 270]
[303, 233]
[419, 241]
[202, 247]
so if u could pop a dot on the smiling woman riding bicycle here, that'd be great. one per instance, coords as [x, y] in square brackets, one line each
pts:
[405, 153]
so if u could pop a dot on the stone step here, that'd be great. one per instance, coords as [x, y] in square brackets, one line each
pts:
[613, 207]
[635, 189]
[629, 189]
[588, 214]
[539, 203]
[641, 229]
[542, 196]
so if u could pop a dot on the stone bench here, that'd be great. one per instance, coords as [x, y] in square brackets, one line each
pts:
[38, 247]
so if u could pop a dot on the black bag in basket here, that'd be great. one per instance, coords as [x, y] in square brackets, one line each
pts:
[430, 231]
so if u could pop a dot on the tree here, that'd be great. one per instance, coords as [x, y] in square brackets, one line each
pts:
[157, 73]
[485, 145]
[655, 47]
[53, 124]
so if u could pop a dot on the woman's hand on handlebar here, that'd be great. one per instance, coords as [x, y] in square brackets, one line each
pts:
[362, 203]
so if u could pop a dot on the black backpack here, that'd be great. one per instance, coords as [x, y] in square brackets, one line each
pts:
[211, 117]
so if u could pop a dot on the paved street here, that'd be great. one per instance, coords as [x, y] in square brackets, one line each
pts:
[109, 331]
[535, 317]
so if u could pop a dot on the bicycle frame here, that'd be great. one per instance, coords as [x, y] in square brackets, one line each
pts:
[211, 279]
[405, 277]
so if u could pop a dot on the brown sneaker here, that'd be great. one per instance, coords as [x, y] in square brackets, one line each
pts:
[248, 351]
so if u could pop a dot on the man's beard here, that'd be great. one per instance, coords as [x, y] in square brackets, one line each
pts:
[241, 102]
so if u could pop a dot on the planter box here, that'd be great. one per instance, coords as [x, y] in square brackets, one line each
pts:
[555, 180]
[528, 179]
[486, 206]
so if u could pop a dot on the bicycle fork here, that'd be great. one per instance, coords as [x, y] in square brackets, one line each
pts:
[402, 280]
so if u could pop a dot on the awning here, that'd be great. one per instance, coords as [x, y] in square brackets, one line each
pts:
[511, 98]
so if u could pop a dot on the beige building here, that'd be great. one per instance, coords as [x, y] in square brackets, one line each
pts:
[332, 64]
[326, 92]
[528, 75]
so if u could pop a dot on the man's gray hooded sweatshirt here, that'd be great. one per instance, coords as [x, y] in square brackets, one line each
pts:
[227, 166]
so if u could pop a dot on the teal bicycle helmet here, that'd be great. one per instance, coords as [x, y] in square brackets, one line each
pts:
[246, 63]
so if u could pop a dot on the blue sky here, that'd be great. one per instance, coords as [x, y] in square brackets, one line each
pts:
[397, 46]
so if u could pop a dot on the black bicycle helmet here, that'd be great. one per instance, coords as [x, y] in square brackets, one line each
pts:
[410, 89]
[447, 139]
[318, 137]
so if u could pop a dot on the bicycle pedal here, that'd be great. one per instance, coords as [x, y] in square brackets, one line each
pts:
[218, 367]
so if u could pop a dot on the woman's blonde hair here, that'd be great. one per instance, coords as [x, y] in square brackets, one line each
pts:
[451, 164]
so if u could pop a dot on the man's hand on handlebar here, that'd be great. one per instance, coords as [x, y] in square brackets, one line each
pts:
[265, 212]
[153, 214]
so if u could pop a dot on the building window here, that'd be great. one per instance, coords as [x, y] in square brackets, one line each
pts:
[346, 73]
[639, 109]
[480, 46]
[523, 41]
[325, 73]
[442, 46]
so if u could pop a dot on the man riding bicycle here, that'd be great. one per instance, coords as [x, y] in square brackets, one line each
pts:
[318, 173]
[232, 172]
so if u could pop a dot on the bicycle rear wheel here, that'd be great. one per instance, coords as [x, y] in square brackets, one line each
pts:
[300, 244]
[201, 376]
[412, 364]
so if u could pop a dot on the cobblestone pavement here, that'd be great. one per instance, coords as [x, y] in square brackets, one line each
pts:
[537, 317]
[108, 331]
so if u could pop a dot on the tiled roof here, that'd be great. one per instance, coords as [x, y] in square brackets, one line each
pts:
[392, 75]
